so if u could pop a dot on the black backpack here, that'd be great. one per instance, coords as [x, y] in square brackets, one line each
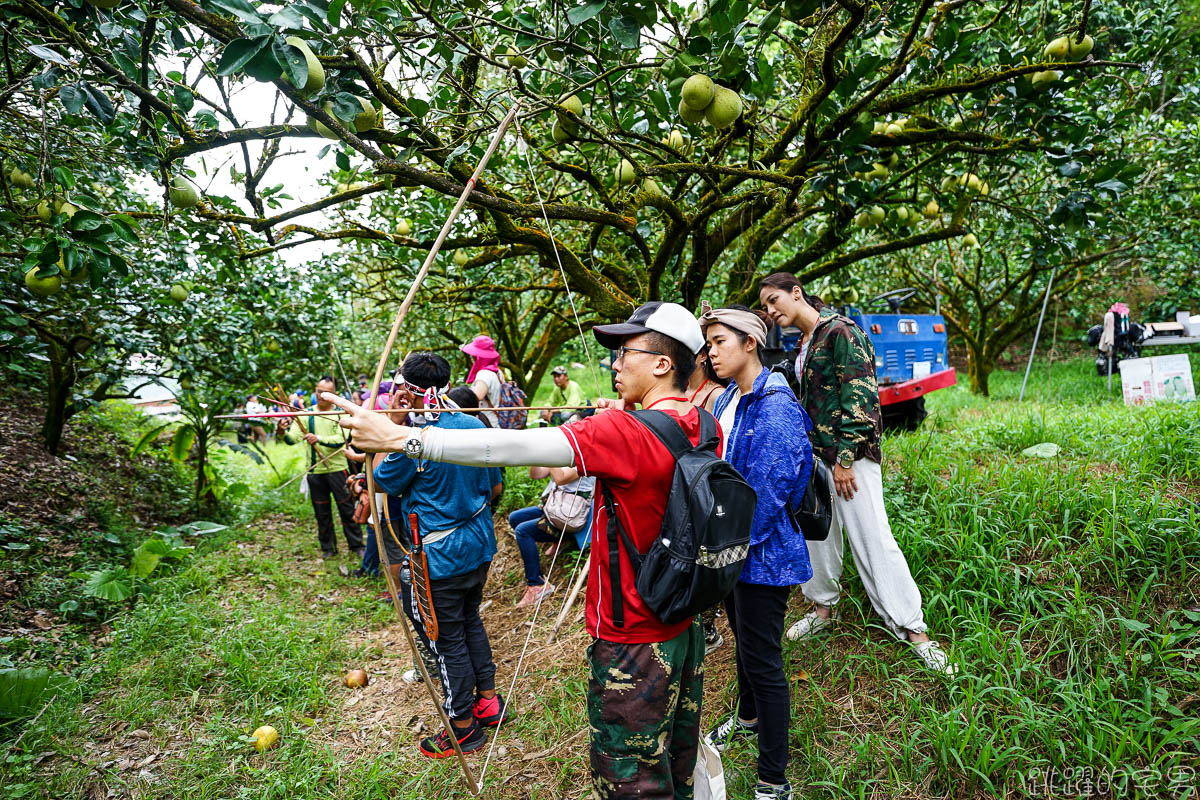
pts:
[815, 515]
[697, 557]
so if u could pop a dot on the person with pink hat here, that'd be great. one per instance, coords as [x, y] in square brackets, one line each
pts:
[484, 377]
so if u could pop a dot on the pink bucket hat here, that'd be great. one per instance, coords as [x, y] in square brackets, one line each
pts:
[481, 346]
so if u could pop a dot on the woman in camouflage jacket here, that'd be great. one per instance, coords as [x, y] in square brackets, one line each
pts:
[840, 394]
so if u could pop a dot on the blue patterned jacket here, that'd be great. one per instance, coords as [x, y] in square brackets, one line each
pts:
[769, 445]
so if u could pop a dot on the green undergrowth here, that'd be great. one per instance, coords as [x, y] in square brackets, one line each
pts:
[1066, 589]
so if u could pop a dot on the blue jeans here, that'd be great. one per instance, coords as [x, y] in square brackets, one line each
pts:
[524, 522]
[370, 559]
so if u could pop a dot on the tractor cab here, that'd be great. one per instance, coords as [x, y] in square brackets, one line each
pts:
[911, 354]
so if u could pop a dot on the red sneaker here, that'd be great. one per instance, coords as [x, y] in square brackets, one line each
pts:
[440, 746]
[490, 710]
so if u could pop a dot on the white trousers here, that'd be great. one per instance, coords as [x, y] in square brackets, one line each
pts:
[885, 574]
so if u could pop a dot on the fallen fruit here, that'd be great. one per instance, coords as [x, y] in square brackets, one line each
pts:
[725, 108]
[265, 737]
[356, 678]
[698, 91]
[42, 286]
[315, 81]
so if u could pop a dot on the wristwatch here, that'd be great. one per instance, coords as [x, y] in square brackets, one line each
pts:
[413, 446]
[845, 459]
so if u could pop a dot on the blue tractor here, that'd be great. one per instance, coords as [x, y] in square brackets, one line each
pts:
[911, 355]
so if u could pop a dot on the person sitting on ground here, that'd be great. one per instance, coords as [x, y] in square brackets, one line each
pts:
[839, 392]
[566, 393]
[484, 377]
[647, 676]
[766, 440]
[455, 524]
[530, 527]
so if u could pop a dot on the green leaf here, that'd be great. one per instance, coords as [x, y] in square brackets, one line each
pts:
[346, 107]
[72, 98]
[240, 9]
[109, 584]
[335, 12]
[98, 103]
[626, 30]
[343, 160]
[1043, 450]
[184, 98]
[286, 17]
[146, 438]
[24, 692]
[771, 20]
[293, 61]
[264, 67]
[239, 52]
[581, 14]
[201, 526]
[63, 177]
[46, 54]
[144, 560]
[181, 444]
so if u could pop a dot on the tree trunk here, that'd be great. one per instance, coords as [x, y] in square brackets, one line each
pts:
[58, 394]
[979, 369]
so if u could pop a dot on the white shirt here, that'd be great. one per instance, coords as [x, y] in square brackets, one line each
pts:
[730, 412]
[492, 398]
[255, 408]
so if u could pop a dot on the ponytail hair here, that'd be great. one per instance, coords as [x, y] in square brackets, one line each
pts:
[787, 281]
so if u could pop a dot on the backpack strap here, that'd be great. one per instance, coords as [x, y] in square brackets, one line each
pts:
[667, 430]
[615, 534]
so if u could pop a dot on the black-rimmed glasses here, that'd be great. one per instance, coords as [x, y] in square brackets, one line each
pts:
[622, 350]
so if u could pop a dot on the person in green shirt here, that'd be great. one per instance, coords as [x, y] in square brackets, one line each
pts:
[327, 480]
[566, 392]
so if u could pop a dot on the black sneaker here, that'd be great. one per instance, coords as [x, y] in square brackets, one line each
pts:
[729, 731]
[440, 746]
[489, 711]
[767, 791]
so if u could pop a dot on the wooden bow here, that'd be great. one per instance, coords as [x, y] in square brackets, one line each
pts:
[472, 785]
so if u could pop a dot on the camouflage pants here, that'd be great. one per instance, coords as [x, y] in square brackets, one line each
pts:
[644, 714]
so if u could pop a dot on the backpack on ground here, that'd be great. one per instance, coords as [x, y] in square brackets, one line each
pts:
[697, 557]
[512, 396]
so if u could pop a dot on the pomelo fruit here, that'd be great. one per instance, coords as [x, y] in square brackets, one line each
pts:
[1045, 79]
[20, 178]
[183, 194]
[461, 257]
[265, 737]
[698, 91]
[675, 139]
[43, 286]
[725, 108]
[315, 81]
[515, 59]
[403, 227]
[625, 172]
[179, 293]
[689, 114]
[931, 210]
[970, 240]
[356, 678]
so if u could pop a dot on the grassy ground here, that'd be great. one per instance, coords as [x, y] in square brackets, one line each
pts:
[1066, 588]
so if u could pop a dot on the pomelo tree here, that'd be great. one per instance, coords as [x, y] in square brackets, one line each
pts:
[664, 150]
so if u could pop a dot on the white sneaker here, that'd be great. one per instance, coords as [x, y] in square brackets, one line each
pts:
[935, 658]
[766, 791]
[412, 676]
[807, 625]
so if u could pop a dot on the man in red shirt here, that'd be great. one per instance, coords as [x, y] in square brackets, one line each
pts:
[647, 677]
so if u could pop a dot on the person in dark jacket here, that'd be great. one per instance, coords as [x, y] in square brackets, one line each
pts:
[766, 435]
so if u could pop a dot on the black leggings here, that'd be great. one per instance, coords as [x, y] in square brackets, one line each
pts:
[762, 686]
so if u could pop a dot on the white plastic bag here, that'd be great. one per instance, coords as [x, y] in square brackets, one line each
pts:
[709, 775]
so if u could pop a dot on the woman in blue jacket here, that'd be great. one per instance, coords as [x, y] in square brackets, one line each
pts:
[766, 440]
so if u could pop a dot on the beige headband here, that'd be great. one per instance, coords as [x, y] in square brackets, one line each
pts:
[742, 321]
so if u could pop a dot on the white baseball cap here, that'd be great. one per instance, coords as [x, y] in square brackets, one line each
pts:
[669, 319]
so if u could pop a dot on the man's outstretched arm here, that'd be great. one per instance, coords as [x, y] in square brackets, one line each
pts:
[489, 447]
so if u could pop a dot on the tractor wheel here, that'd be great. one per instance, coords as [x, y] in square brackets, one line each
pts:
[906, 416]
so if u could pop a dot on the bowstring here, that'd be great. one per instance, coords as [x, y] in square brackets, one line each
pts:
[523, 148]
